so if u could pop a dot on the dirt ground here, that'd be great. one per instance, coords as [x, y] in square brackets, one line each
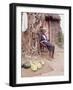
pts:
[51, 67]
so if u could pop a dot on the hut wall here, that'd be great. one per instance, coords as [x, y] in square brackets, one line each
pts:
[30, 40]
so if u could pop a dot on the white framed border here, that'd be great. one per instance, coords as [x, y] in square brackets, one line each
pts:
[65, 77]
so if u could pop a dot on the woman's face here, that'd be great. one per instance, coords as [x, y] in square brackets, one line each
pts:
[44, 31]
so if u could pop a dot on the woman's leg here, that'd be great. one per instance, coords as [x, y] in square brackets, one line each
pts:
[53, 49]
[50, 48]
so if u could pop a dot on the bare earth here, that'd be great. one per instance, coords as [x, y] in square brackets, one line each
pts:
[51, 67]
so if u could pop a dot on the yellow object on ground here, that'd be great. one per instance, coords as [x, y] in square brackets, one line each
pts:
[42, 62]
[34, 67]
[39, 65]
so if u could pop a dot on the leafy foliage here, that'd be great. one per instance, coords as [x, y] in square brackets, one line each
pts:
[60, 39]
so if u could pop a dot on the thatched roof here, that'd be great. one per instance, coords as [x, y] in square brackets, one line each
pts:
[53, 17]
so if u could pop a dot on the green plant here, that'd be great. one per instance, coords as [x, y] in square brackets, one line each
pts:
[60, 39]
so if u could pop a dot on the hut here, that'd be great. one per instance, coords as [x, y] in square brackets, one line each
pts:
[30, 41]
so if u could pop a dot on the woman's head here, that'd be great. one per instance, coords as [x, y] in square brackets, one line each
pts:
[43, 30]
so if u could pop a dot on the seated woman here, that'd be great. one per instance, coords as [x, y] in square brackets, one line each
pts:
[45, 42]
